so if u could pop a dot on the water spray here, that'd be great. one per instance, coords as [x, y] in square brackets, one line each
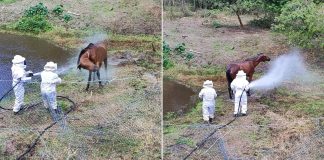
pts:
[286, 67]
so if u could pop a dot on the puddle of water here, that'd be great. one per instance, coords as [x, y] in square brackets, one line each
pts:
[36, 51]
[177, 97]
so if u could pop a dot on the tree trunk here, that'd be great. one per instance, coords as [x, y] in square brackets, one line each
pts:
[239, 18]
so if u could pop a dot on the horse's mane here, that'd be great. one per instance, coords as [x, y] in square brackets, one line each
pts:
[84, 51]
[253, 58]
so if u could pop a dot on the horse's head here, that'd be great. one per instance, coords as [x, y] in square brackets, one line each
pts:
[263, 58]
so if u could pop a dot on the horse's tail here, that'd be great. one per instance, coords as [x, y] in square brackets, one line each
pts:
[228, 76]
[229, 80]
[78, 63]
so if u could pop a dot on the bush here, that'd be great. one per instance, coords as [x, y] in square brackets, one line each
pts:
[39, 9]
[167, 63]
[180, 48]
[189, 56]
[264, 22]
[302, 22]
[34, 20]
[34, 24]
[216, 24]
[67, 18]
[58, 10]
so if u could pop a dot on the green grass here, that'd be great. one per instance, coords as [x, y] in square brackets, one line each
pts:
[7, 1]
[221, 47]
[170, 115]
[143, 38]
[261, 120]
[103, 8]
[186, 141]
[207, 70]
[313, 108]
[112, 143]
[170, 129]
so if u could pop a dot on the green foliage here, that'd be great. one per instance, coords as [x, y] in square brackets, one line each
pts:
[185, 140]
[58, 10]
[34, 20]
[34, 24]
[169, 129]
[170, 115]
[180, 48]
[302, 22]
[264, 22]
[137, 84]
[189, 56]
[7, 1]
[167, 63]
[216, 24]
[67, 18]
[38, 10]
[312, 108]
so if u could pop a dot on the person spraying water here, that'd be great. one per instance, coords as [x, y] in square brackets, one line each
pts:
[19, 77]
[240, 86]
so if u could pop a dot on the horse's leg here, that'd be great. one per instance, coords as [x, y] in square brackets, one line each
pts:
[89, 79]
[250, 80]
[98, 74]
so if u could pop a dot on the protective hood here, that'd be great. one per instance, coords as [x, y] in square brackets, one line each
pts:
[18, 59]
[240, 73]
[208, 83]
[50, 66]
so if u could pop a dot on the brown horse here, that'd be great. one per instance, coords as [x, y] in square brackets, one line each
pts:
[91, 58]
[247, 66]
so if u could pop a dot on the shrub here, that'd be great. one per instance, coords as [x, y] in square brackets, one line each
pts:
[34, 20]
[39, 9]
[167, 63]
[34, 24]
[216, 24]
[67, 18]
[189, 56]
[264, 22]
[180, 48]
[58, 10]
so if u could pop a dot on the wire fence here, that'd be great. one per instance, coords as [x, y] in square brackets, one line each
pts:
[196, 141]
[73, 132]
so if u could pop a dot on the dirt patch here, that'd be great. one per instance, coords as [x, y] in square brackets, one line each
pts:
[137, 17]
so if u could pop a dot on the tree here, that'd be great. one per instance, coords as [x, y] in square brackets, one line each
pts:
[302, 22]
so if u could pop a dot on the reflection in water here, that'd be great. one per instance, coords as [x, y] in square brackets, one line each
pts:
[36, 51]
[176, 97]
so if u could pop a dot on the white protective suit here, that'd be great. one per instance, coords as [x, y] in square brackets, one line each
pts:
[18, 78]
[208, 94]
[48, 85]
[238, 85]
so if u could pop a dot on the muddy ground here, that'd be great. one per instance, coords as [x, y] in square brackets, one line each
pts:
[280, 123]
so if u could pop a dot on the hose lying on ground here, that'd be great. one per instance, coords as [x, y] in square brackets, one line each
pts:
[212, 133]
[33, 145]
